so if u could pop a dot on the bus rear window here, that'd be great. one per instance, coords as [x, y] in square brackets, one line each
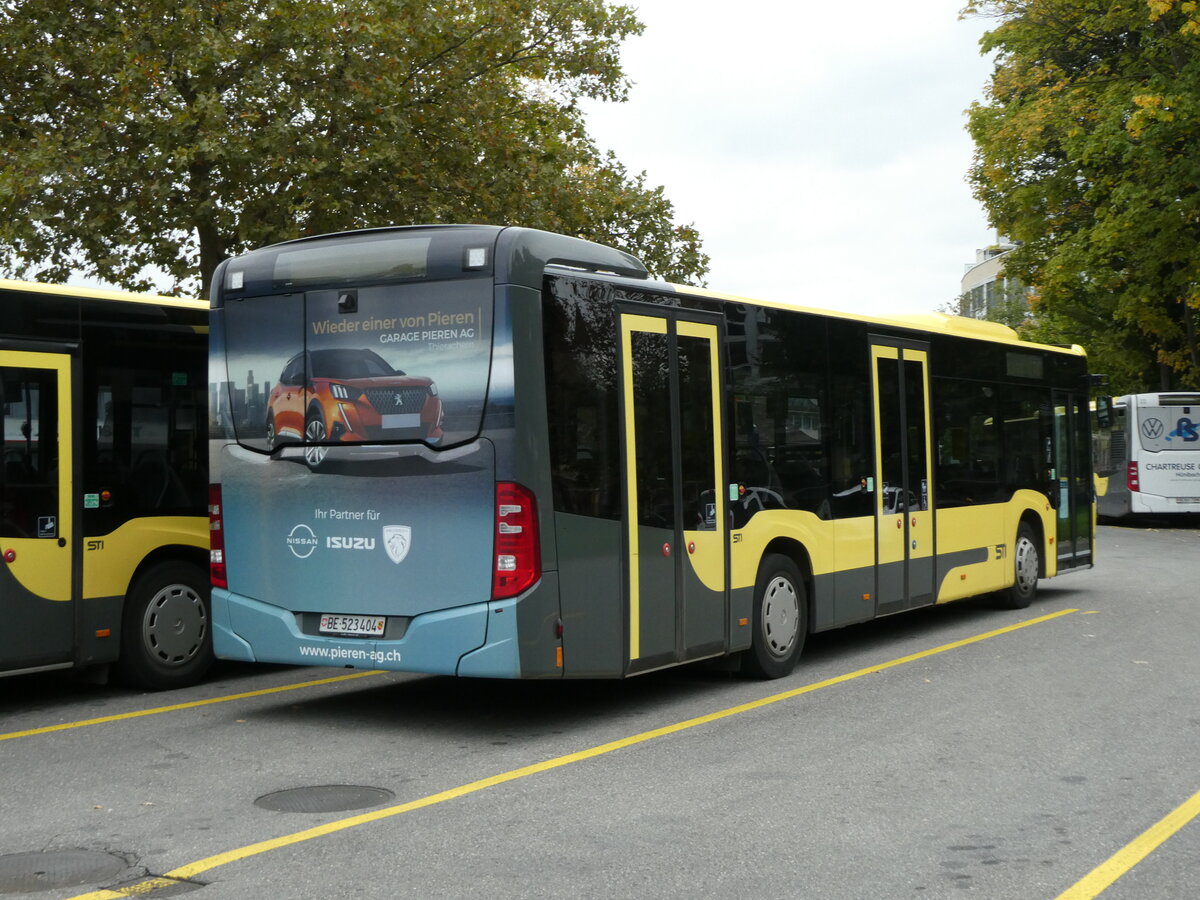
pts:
[390, 259]
[1169, 427]
[364, 365]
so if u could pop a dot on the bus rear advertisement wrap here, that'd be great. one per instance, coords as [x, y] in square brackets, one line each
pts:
[367, 386]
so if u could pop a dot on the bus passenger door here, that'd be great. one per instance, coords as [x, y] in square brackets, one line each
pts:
[1073, 480]
[36, 538]
[674, 470]
[903, 481]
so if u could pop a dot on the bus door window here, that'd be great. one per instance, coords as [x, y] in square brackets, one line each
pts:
[652, 410]
[918, 460]
[904, 526]
[29, 483]
[698, 460]
[1082, 482]
[675, 539]
[1073, 472]
[891, 438]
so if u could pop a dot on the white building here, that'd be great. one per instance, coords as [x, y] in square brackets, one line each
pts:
[984, 285]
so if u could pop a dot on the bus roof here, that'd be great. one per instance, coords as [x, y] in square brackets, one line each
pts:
[933, 322]
[64, 290]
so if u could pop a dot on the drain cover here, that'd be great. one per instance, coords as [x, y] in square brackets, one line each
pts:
[20, 872]
[324, 798]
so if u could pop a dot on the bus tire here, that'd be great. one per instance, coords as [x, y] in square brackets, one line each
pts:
[166, 635]
[780, 619]
[1026, 565]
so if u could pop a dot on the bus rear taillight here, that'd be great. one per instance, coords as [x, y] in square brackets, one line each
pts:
[216, 539]
[518, 551]
[1134, 483]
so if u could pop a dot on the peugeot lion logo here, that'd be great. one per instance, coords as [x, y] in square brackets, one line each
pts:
[396, 540]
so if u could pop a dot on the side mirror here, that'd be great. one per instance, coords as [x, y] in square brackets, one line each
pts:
[1104, 413]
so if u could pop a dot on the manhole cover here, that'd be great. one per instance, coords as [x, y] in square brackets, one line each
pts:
[324, 798]
[39, 871]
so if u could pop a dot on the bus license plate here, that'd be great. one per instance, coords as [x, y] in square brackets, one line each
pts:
[372, 626]
[1189, 500]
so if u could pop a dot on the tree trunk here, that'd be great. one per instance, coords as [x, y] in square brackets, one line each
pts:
[212, 252]
[1189, 336]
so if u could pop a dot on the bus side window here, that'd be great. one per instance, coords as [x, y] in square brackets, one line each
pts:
[969, 457]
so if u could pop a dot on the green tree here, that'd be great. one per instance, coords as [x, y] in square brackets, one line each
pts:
[1085, 152]
[171, 133]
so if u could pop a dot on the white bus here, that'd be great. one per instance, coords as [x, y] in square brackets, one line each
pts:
[1152, 461]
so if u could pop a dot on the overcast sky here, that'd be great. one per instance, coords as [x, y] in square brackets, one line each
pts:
[819, 148]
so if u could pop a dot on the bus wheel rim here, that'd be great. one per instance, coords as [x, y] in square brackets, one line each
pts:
[780, 616]
[174, 625]
[1027, 564]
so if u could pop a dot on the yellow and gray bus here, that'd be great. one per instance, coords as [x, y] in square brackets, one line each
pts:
[103, 528]
[491, 451]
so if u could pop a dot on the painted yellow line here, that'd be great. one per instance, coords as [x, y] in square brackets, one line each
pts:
[135, 890]
[192, 704]
[1098, 880]
[191, 870]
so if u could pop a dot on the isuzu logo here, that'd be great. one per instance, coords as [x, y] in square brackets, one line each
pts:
[396, 540]
[350, 543]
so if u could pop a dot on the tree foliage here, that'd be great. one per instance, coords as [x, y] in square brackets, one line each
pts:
[1086, 151]
[172, 133]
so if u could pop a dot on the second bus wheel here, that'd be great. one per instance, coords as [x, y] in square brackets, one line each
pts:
[166, 633]
[1026, 569]
[780, 619]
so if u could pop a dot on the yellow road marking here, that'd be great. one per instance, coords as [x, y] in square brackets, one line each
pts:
[192, 704]
[1098, 880]
[191, 870]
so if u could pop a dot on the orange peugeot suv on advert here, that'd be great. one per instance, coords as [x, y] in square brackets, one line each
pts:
[351, 395]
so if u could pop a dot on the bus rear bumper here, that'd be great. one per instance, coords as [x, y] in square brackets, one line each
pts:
[1142, 502]
[252, 631]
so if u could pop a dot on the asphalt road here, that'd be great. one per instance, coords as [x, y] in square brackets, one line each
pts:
[962, 750]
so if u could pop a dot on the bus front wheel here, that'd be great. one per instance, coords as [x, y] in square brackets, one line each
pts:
[780, 619]
[166, 635]
[1026, 567]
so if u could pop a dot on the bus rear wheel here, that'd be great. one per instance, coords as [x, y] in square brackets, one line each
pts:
[166, 635]
[1026, 568]
[780, 619]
